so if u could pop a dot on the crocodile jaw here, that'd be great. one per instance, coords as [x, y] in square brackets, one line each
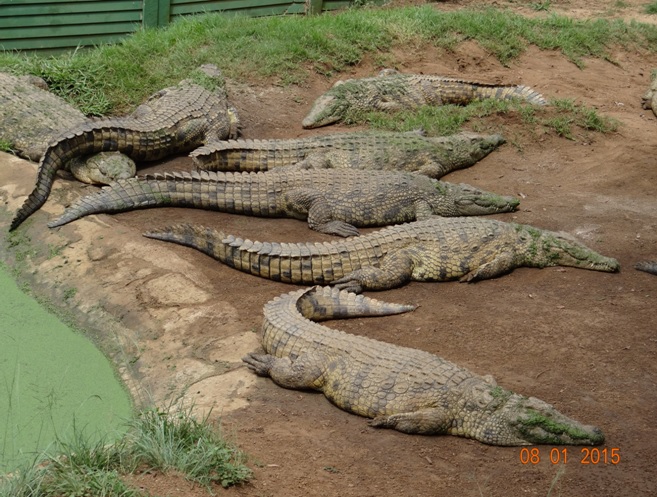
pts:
[326, 110]
[471, 201]
[515, 420]
[485, 203]
[561, 249]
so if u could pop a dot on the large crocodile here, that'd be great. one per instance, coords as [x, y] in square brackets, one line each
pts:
[649, 99]
[435, 249]
[333, 201]
[431, 156]
[174, 120]
[402, 388]
[31, 117]
[393, 91]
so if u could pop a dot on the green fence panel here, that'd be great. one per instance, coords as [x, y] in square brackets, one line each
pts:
[57, 24]
[65, 24]
[251, 8]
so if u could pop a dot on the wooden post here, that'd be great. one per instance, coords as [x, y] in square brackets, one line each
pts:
[313, 7]
[156, 13]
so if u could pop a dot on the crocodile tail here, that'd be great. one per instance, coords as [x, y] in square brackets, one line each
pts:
[45, 178]
[298, 263]
[85, 140]
[207, 240]
[248, 155]
[511, 92]
[224, 192]
[245, 255]
[322, 303]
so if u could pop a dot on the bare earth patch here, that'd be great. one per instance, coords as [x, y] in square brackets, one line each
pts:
[178, 322]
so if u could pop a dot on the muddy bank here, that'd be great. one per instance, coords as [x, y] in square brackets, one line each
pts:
[137, 299]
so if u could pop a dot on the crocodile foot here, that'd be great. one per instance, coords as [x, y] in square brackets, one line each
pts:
[338, 228]
[348, 283]
[260, 364]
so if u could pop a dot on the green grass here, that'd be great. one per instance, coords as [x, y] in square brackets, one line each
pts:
[164, 441]
[651, 8]
[542, 6]
[115, 78]
[561, 117]
[5, 146]
[161, 440]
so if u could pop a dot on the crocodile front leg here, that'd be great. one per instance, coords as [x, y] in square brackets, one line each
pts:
[431, 421]
[302, 202]
[500, 265]
[396, 270]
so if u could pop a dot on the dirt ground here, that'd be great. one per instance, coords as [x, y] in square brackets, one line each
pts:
[176, 322]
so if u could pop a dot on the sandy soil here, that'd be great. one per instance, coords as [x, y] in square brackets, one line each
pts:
[176, 322]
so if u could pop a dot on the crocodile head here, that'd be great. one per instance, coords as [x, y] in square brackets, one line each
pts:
[470, 201]
[336, 103]
[327, 109]
[549, 248]
[473, 146]
[500, 417]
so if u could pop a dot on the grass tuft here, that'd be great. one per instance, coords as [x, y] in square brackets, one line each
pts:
[651, 8]
[6, 146]
[177, 441]
[157, 439]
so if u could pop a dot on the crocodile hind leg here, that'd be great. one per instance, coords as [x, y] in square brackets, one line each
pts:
[396, 270]
[302, 373]
[430, 421]
[500, 265]
[319, 212]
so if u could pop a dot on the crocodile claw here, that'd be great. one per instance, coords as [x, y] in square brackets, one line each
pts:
[260, 364]
[348, 284]
[339, 228]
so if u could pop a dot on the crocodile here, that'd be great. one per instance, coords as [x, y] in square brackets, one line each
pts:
[31, 117]
[394, 91]
[406, 389]
[649, 100]
[174, 120]
[647, 266]
[435, 249]
[334, 202]
[431, 156]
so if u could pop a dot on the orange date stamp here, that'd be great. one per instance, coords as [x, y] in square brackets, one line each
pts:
[565, 455]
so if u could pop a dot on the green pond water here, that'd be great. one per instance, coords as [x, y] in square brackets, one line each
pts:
[51, 379]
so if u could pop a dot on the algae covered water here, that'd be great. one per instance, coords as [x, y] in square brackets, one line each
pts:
[52, 379]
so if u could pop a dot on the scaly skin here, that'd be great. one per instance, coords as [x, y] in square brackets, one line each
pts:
[436, 249]
[333, 202]
[393, 91]
[406, 389]
[647, 266]
[412, 152]
[31, 116]
[102, 168]
[174, 120]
